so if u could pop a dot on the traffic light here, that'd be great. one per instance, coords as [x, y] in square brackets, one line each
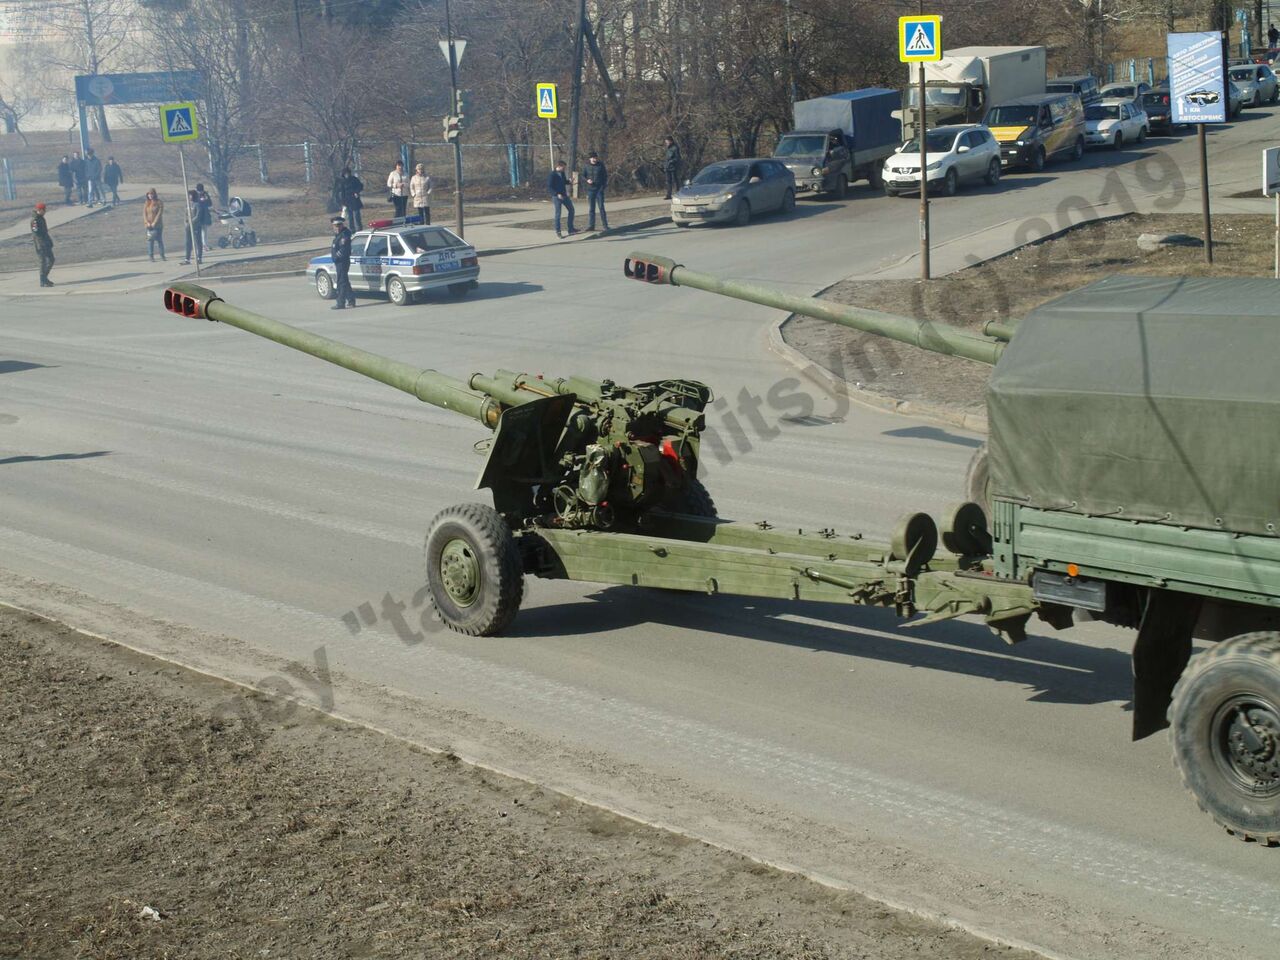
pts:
[452, 127]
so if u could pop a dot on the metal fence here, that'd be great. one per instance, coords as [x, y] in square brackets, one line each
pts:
[496, 165]
[1152, 70]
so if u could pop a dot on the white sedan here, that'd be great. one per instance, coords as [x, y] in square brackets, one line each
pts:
[954, 154]
[1113, 123]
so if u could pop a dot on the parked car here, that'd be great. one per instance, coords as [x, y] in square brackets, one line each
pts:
[961, 153]
[1083, 86]
[1125, 91]
[401, 259]
[1034, 130]
[1113, 123]
[1256, 82]
[1158, 108]
[733, 191]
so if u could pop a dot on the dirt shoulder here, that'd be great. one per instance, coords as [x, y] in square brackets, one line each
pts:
[150, 812]
[1011, 286]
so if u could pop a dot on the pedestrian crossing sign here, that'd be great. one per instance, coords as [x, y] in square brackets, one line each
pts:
[178, 122]
[548, 108]
[919, 38]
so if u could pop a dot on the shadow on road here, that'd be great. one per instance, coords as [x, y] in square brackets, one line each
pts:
[1055, 670]
[933, 433]
[16, 366]
[57, 456]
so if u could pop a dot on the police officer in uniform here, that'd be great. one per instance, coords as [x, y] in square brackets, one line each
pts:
[340, 250]
[44, 244]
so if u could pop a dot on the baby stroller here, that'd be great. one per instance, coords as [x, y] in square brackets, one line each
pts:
[233, 218]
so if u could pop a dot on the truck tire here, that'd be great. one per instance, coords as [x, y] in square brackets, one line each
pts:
[876, 176]
[841, 189]
[977, 480]
[1225, 728]
[474, 572]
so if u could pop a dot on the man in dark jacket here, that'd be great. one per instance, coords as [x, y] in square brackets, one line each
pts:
[44, 244]
[340, 250]
[77, 175]
[347, 190]
[113, 176]
[596, 177]
[558, 187]
[93, 177]
[671, 166]
[65, 180]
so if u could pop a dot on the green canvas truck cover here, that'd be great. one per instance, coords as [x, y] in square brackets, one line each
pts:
[1145, 399]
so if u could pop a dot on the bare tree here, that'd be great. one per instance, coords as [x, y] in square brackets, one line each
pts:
[228, 42]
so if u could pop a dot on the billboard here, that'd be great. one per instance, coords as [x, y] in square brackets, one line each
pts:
[1197, 78]
[104, 89]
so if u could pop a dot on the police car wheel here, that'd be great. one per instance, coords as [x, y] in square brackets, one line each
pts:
[459, 290]
[396, 291]
[324, 286]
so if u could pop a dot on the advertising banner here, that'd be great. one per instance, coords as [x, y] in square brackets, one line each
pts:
[1197, 78]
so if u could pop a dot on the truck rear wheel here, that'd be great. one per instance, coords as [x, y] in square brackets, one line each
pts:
[977, 480]
[1225, 727]
[474, 570]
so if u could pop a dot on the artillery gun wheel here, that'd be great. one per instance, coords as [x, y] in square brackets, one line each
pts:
[964, 530]
[1225, 727]
[474, 570]
[977, 480]
[695, 501]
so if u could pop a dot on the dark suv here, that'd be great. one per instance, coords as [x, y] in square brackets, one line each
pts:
[1085, 87]
[1159, 108]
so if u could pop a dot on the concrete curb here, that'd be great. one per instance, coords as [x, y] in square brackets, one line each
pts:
[615, 232]
[868, 398]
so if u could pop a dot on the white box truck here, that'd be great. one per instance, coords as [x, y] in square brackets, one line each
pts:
[967, 82]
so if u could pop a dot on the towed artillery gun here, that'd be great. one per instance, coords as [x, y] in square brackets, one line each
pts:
[1108, 503]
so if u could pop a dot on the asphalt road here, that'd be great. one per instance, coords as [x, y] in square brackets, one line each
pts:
[215, 498]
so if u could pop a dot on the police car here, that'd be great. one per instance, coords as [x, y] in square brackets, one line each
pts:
[402, 258]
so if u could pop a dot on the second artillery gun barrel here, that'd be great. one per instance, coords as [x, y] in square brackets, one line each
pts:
[925, 334]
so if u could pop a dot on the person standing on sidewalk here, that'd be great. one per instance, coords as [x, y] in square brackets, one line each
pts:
[153, 220]
[92, 178]
[77, 175]
[671, 166]
[420, 190]
[44, 244]
[398, 188]
[558, 187]
[348, 190]
[192, 229]
[112, 176]
[596, 177]
[340, 250]
[65, 180]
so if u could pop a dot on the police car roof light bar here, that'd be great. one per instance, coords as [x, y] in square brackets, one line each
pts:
[396, 222]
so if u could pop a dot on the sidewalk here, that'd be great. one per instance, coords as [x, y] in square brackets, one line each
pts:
[490, 234]
[59, 213]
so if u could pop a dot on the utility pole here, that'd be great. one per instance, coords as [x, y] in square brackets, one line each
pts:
[453, 106]
[791, 55]
[297, 20]
[577, 86]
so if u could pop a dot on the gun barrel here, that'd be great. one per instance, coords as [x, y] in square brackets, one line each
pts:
[927, 335]
[429, 386]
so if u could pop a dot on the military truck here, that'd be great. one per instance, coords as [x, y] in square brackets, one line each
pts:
[839, 139]
[964, 84]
